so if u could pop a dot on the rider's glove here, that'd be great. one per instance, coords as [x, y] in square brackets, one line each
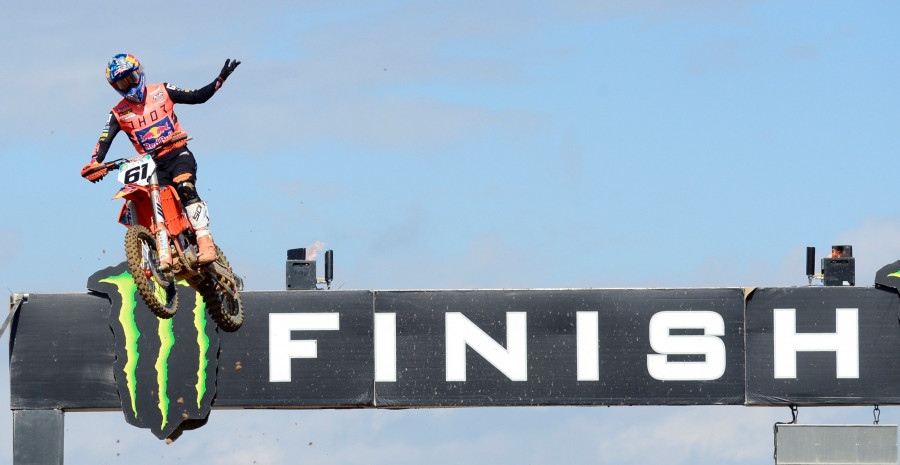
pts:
[229, 67]
[96, 175]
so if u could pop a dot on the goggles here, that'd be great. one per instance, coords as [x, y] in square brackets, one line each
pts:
[128, 81]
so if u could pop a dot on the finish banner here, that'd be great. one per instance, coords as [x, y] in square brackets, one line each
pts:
[405, 349]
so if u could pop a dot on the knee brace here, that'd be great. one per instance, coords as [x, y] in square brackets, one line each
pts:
[188, 193]
[199, 217]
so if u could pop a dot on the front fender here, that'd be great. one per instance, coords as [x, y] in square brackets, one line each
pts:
[139, 196]
[131, 190]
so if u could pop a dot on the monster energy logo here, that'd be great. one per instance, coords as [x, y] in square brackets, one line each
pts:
[165, 369]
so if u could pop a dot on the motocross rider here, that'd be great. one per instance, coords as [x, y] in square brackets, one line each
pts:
[147, 116]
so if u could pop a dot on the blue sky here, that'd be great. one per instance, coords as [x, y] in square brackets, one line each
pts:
[458, 144]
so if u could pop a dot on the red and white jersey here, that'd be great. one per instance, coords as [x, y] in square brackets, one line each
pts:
[151, 123]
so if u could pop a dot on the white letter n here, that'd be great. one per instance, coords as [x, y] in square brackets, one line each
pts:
[461, 332]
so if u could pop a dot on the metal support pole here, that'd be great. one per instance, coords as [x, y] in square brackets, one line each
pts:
[38, 437]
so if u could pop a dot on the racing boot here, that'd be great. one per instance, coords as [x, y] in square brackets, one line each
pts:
[207, 248]
[199, 217]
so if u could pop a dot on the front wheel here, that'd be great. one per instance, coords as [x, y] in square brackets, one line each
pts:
[157, 290]
[225, 308]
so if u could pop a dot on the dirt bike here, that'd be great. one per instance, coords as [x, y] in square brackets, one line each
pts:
[154, 215]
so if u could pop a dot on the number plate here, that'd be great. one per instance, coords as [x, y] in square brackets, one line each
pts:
[137, 170]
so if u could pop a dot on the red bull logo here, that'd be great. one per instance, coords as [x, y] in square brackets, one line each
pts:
[156, 132]
[153, 136]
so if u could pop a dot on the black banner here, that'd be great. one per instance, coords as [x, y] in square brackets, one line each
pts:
[61, 354]
[396, 349]
[561, 347]
[299, 349]
[823, 345]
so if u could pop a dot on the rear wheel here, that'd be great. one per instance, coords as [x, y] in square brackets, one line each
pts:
[226, 309]
[157, 289]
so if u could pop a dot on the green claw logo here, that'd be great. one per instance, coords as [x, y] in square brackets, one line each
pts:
[165, 369]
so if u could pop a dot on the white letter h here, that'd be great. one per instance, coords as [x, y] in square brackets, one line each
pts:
[844, 342]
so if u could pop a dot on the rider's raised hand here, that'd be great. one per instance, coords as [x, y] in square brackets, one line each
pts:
[229, 67]
[93, 176]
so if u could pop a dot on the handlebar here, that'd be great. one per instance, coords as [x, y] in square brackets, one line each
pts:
[115, 163]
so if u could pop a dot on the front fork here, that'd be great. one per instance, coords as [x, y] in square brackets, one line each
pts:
[162, 236]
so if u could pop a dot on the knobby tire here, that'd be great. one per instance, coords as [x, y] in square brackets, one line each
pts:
[227, 312]
[159, 292]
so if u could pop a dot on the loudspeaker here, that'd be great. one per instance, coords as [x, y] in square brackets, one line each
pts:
[300, 273]
[839, 271]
